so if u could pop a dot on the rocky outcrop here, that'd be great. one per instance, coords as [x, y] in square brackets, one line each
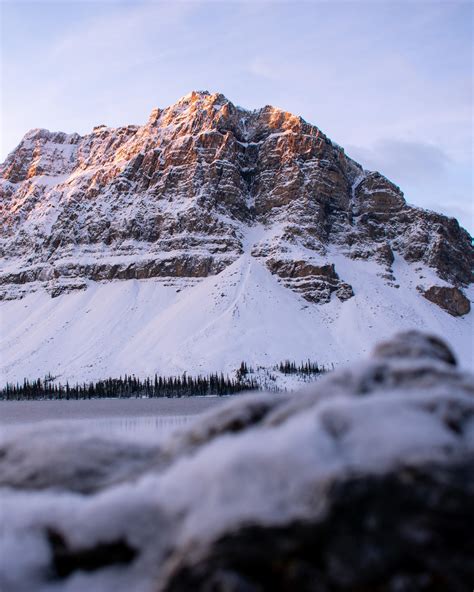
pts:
[178, 266]
[450, 299]
[193, 182]
[315, 283]
[364, 481]
[66, 288]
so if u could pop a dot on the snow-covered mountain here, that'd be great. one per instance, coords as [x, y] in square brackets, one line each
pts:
[211, 235]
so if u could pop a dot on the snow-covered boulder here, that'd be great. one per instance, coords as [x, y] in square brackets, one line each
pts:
[364, 481]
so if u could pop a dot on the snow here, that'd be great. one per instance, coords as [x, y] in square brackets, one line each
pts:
[241, 314]
[171, 325]
[172, 499]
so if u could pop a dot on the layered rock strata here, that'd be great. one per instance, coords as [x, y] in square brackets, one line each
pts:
[178, 197]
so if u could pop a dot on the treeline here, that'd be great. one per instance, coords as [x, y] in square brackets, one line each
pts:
[246, 378]
[307, 368]
[129, 387]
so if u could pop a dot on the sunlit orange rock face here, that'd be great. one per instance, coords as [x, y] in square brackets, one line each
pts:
[177, 196]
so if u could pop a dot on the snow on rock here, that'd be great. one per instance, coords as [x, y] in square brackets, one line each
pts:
[207, 194]
[364, 480]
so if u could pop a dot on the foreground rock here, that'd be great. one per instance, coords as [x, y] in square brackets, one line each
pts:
[364, 481]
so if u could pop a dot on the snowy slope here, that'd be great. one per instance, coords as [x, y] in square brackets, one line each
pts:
[243, 313]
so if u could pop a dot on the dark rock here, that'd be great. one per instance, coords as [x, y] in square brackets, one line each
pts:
[403, 531]
[450, 299]
[66, 561]
[384, 254]
[67, 289]
[315, 283]
[344, 291]
[415, 345]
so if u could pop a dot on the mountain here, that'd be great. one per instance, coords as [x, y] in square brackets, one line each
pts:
[211, 235]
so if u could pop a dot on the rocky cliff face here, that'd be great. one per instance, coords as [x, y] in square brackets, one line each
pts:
[363, 481]
[183, 195]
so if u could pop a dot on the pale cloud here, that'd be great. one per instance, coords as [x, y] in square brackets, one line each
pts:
[263, 68]
[402, 160]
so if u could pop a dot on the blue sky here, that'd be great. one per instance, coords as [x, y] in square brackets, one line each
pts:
[389, 81]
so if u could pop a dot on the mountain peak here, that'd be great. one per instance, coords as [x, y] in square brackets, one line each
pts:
[202, 95]
[208, 223]
[201, 99]
[207, 171]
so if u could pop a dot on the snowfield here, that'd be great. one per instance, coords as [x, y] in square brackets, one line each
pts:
[144, 327]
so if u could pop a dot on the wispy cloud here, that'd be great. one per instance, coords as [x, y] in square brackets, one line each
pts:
[405, 161]
[262, 68]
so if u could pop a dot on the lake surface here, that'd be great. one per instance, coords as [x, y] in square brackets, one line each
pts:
[134, 418]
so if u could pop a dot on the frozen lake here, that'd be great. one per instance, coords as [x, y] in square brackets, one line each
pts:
[135, 418]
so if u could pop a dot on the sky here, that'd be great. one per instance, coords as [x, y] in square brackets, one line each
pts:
[391, 82]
